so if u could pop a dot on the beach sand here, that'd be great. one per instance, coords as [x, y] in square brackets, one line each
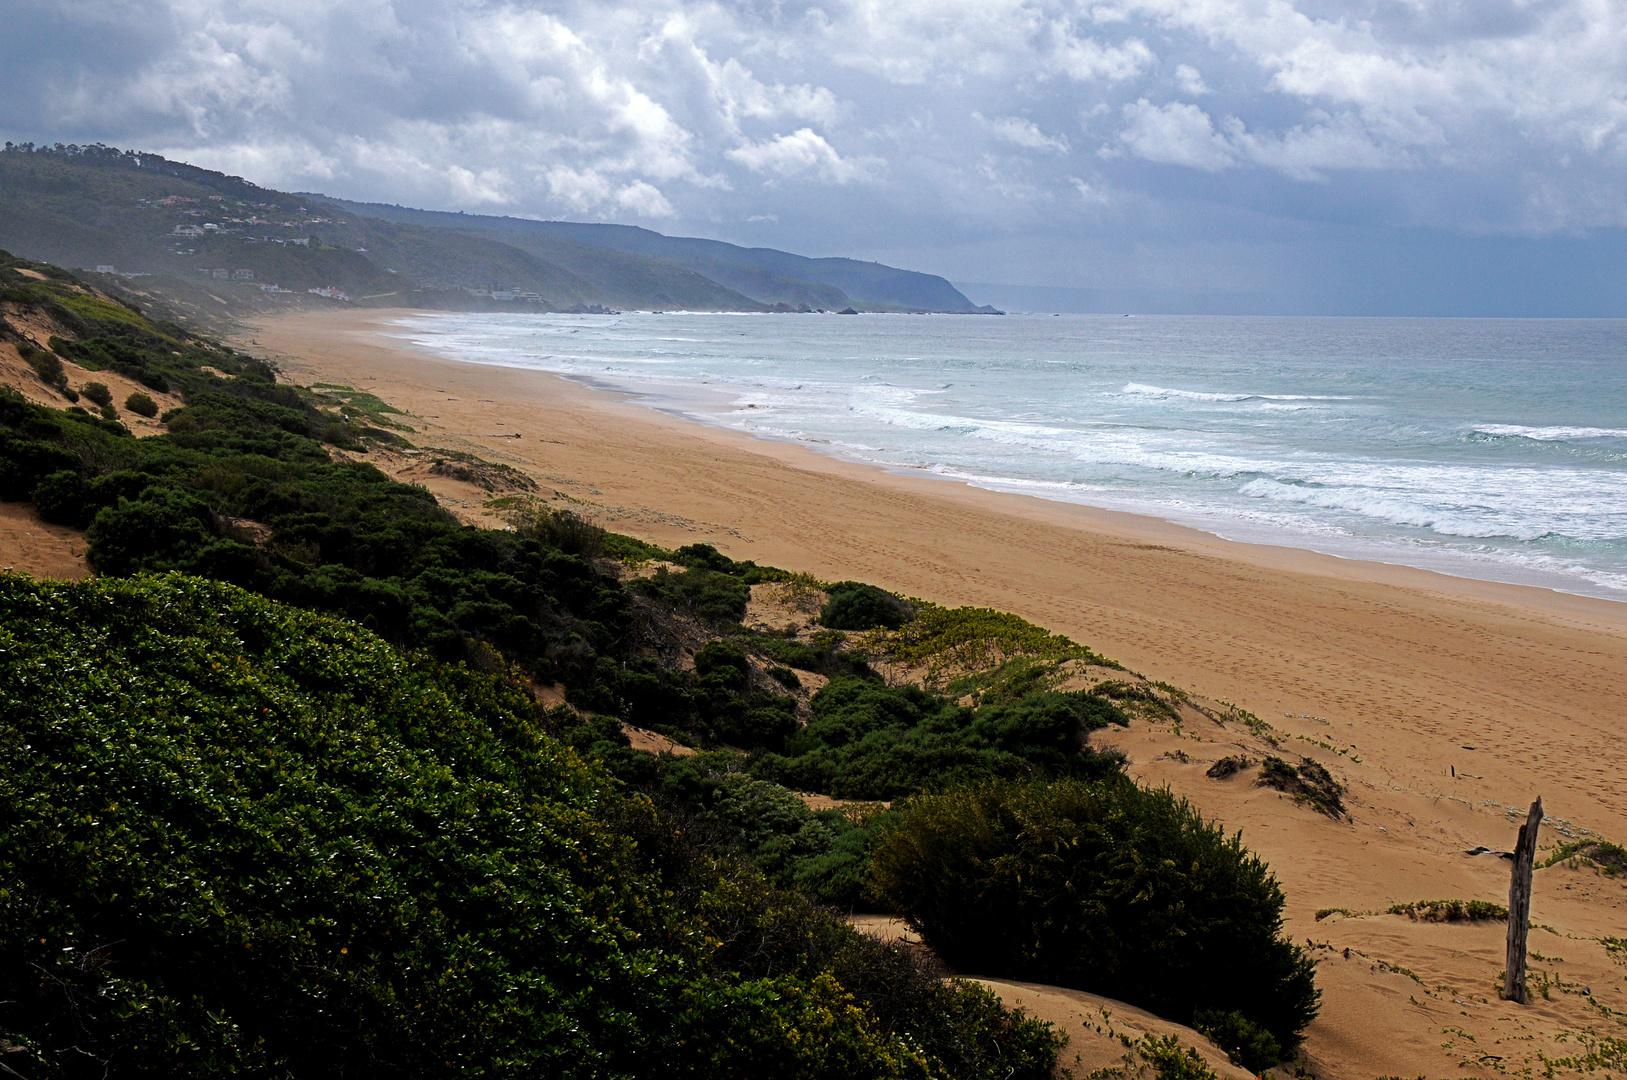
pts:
[1445, 705]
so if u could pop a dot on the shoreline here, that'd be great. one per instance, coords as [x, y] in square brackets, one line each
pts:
[372, 325]
[1261, 552]
[1442, 704]
[713, 405]
[1125, 584]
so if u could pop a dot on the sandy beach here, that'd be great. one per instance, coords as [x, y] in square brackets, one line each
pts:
[1441, 702]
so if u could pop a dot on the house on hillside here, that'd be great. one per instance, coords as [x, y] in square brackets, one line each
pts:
[242, 275]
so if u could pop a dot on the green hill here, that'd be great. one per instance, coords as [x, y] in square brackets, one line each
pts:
[141, 213]
[764, 274]
[92, 206]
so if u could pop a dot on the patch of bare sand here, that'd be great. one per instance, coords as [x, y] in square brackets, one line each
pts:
[16, 373]
[653, 742]
[35, 547]
[1439, 702]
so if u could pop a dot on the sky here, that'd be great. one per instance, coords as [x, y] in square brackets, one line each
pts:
[1272, 156]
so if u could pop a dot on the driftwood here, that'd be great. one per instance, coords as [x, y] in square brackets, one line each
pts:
[1519, 905]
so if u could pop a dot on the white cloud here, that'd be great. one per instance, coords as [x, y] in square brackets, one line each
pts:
[1173, 134]
[1090, 194]
[1502, 115]
[579, 191]
[804, 152]
[1190, 80]
[1088, 59]
[645, 200]
[1024, 133]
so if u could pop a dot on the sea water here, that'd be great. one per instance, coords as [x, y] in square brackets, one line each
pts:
[1485, 448]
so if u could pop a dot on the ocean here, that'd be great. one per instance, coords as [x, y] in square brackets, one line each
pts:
[1484, 448]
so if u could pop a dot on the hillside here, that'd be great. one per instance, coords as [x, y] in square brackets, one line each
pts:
[93, 206]
[217, 246]
[764, 274]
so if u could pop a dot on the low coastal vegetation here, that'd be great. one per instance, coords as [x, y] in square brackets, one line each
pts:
[1605, 857]
[1108, 887]
[290, 787]
[243, 839]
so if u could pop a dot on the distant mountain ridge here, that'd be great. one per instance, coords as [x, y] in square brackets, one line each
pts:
[765, 274]
[220, 246]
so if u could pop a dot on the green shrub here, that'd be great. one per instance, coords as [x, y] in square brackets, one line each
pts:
[707, 557]
[163, 528]
[823, 854]
[60, 497]
[827, 658]
[25, 462]
[702, 557]
[1104, 887]
[99, 393]
[1244, 1042]
[1451, 911]
[867, 740]
[722, 661]
[856, 606]
[1308, 783]
[566, 531]
[710, 595]
[969, 638]
[1610, 858]
[47, 367]
[1169, 1060]
[141, 405]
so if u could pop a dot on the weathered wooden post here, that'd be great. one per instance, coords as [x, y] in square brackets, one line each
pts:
[1519, 905]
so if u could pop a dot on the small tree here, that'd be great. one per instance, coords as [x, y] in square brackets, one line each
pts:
[99, 393]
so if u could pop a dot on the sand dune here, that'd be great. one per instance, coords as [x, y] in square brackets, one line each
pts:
[1444, 704]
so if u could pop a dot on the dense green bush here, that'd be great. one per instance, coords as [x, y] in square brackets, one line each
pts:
[141, 405]
[237, 839]
[853, 605]
[235, 836]
[99, 393]
[712, 596]
[1245, 1042]
[825, 656]
[707, 557]
[47, 367]
[566, 531]
[867, 740]
[1105, 887]
[824, 854]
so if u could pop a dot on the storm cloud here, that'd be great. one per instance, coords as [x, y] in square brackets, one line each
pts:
[1265, 148]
